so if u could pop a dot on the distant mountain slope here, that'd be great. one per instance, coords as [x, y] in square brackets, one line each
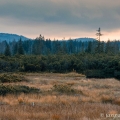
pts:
[10, 37]
[85, 39]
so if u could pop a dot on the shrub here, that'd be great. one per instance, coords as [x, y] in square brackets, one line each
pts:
[106, 99]
[11, 78]
[95, 74]
[117, 75]
[63, 88]
[17, 89]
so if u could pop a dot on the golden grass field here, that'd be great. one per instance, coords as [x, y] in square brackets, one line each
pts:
[69, 96]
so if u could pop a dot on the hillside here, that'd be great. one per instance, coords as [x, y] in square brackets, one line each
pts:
[10, 37]
[85, 39]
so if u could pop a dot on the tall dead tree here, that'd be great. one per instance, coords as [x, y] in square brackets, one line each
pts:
[99, 34]
[100, 45]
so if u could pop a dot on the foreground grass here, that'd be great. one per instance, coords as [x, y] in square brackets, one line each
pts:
[52, 108]
[62, 97]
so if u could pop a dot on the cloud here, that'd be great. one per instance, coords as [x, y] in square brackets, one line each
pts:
[78, 15]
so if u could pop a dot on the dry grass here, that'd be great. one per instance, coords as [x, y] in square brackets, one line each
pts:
[93, 97]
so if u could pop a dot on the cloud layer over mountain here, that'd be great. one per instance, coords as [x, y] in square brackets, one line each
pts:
[59, 18]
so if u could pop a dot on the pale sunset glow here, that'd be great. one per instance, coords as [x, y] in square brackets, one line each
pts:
[61, 19]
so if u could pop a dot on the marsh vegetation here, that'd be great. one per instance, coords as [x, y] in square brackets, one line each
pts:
[53, 96]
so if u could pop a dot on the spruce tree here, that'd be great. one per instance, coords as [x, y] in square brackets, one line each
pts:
[7, 51]
[15, 48]
[20, 47]
[89, 48]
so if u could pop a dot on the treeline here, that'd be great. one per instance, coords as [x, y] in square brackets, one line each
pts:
[92, 65]
[94, 58]
[42, 46]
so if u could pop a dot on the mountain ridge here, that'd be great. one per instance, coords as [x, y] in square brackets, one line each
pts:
[9, 37]
[85, 39]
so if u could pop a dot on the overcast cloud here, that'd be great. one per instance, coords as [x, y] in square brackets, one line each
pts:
[60, 18]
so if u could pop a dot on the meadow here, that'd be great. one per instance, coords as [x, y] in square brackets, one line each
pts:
[53, 96]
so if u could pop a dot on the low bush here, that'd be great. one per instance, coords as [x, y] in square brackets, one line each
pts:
[95, 74]
[11, 78]
[64, 88]
[17, 89]
[106, 99]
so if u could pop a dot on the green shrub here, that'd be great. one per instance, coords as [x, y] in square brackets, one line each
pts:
[8, 89]
[63, 88]
[95, 74]
[11, 78]
[117, 74]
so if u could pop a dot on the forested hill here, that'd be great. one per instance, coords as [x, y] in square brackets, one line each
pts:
[85, 39]
[42, 46]
[93, 58]
[11, 37]
[14, 37]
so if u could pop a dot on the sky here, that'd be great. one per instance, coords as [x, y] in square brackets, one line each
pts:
[61, 19]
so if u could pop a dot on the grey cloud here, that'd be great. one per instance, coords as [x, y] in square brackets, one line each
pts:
[88, 14]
